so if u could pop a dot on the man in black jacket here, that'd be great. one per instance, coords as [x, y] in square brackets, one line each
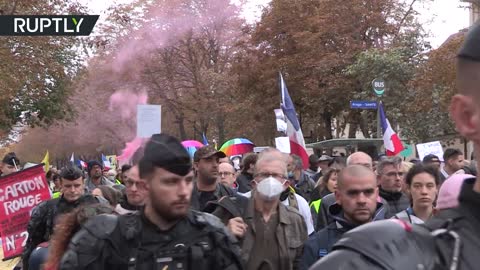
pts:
[390, 178]
[356, 204]
[246, 176]
[44, 216]
[205, 187]
[450, 240]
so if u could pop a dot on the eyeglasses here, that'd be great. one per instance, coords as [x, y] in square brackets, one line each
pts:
[274, 175]
[222, 174]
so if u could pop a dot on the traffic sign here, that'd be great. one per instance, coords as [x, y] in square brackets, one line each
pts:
[378, 87]
[364, 105]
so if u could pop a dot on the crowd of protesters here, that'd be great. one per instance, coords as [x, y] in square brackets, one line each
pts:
[263, 211]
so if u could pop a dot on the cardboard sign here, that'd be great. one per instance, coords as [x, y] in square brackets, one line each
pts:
[19, 193]
[435, 148]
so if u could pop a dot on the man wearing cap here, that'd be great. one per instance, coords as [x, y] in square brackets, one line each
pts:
[432, 160]
[312, 170]
[95, 176]
[166, 234]
[205, 187]
[449, 240]
[9, 164]
[323, 162]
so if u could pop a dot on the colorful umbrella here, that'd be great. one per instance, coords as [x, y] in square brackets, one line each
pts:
[238, 146]
[192, 146]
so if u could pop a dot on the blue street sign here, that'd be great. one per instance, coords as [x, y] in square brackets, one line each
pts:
[364, 105]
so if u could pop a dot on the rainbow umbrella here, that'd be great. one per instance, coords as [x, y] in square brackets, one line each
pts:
[192, 146]
[238, 146]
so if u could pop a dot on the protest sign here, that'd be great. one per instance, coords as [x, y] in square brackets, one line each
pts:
[113, 161]
[149, 118]
[435, 148]
[20, 192]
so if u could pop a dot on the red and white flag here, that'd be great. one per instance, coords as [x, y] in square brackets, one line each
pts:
[393, 144]
[294, 131]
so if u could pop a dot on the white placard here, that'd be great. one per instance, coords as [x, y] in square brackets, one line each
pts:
[149, 120]
[280, 118]
[283, 144]
[435, 148]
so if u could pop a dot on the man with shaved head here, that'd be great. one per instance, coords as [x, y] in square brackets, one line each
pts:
[451, 239]
[356, 204]
[360, 158]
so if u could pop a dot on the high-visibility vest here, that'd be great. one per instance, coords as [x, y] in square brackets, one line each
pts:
[316, 205]
[56, 194]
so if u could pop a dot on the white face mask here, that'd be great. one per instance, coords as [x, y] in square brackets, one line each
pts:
[270, 188]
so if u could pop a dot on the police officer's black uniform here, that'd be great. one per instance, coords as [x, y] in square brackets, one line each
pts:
[131, 242]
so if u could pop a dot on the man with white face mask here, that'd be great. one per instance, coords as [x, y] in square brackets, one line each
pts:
[271, 234]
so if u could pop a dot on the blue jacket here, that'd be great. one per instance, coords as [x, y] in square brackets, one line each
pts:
[320, 244]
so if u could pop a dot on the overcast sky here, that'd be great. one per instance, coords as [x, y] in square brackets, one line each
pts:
[440, 17]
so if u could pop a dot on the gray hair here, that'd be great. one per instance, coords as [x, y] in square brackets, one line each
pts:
[271, 154]
[394, 161]
[297, 161]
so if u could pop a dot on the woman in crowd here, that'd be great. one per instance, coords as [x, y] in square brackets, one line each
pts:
[326, 184]
[422, 184]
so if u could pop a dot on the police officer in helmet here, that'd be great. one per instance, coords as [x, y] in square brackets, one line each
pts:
[451, 240]
[166, 234]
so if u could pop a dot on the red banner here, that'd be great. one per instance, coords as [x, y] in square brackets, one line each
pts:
[20, 192]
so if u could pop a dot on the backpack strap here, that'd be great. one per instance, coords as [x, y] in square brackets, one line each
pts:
[292, 200]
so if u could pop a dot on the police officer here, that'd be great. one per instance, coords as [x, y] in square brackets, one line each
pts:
[450, 240]
[45, 215]
[166, 234]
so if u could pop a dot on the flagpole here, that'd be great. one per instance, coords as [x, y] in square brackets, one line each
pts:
[379, 126]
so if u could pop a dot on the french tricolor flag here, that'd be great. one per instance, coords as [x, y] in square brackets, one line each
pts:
[294, 131]
[82, 163]
[393, 144]
[106, 162]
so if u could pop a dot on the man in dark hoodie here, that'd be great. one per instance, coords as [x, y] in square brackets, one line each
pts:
[390, 179]
[356, 204]
[135, 192]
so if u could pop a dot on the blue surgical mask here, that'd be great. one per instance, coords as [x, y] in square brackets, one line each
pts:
[290, 175]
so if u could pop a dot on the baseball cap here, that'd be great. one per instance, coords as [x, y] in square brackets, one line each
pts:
[206, 152]
[450, 190]
[11, 159]
[324, 158]
[430, 158]
[166, 152]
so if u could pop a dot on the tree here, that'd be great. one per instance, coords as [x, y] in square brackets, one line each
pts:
[432, 87]
[314, 42]
[36, 71]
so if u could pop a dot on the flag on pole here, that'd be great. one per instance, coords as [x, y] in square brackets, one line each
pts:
[46, 163]
[72, 158]
[393, 144]
[204, 139]
[294, 131]
[82, 163]
[106, 162]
